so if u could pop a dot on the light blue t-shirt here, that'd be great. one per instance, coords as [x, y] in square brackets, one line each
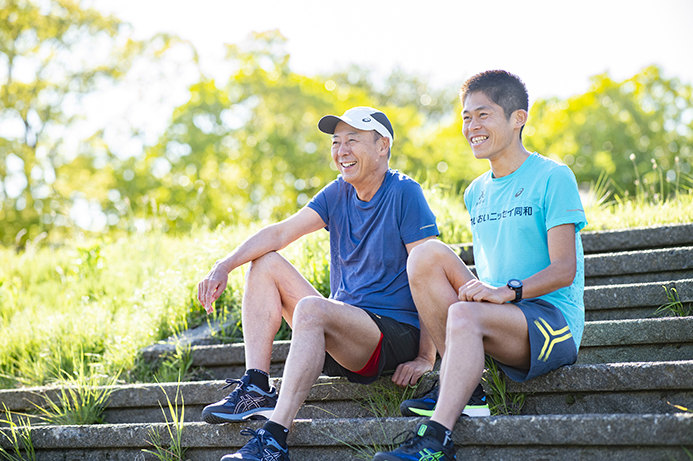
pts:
[510, 218]
[368, 257]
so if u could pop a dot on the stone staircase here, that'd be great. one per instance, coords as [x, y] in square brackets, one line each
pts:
[617, 401]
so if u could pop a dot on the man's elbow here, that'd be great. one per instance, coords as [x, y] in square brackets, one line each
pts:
[567, 274]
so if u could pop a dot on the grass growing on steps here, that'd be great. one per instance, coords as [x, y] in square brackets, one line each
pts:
[383, 397]
[82, 398]
[19, 437]
[500, 401]
[173, 367]
[174, 450]
[674, 308]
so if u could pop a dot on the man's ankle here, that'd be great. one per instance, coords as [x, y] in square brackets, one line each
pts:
[259, 378]
[276, 430]
[437, 431]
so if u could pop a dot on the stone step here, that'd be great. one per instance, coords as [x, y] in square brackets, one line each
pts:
[606, 302]
[638, 387]
[639, 266]
[639, 238]
[637, 340]
[603, 341]
[619, 437]
[613, 241]
[633, 300]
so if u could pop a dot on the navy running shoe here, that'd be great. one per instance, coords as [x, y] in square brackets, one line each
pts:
[421, 446]
[425, 405]
[261, 447]
[247, 401]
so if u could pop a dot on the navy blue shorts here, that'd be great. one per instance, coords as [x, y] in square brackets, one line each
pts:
[550, 340]
[400, 344]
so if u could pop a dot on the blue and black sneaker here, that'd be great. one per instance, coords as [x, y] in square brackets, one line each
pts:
[425, 405]
[421, 445]
[262, 447]
[247, 401]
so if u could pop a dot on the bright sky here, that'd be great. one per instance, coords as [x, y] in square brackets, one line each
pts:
[554, 46]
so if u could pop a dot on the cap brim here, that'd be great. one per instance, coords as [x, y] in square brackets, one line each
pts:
[328, 123]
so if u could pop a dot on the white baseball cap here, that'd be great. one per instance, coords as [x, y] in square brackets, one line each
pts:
[363, 118]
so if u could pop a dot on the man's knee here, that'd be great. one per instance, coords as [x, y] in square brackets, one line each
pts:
[309, 311]
[462, 320]
[424, 257]
[265, 264]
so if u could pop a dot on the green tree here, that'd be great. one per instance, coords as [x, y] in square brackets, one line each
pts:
[639, 132]
[53, 54]
[251, 150]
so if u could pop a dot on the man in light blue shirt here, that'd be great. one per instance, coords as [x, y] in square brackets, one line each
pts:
[525, 309]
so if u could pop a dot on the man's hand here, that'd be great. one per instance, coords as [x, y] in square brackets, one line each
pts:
[211, 287]
[478, 291]
[408, 373]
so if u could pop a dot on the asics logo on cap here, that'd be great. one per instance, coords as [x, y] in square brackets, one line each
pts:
[367, 119]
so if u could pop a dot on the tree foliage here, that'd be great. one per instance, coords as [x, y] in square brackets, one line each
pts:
[249, 149]
[638, 132]
[53, 54]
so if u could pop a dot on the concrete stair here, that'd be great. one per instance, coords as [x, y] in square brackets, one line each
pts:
[617, 402]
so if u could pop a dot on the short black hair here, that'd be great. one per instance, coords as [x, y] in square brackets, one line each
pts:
[503, 88]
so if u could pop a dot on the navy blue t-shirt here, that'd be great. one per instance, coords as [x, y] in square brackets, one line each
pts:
[367, 243]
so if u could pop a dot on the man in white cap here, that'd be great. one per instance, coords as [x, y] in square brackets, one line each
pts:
[369, 325]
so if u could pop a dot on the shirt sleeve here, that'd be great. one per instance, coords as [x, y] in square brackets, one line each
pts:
[320, 202]
[563, 204]
[418, 221]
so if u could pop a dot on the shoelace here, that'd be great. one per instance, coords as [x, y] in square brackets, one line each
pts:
[406, 439]
[260, 439]
[230, 382]
[257, 438]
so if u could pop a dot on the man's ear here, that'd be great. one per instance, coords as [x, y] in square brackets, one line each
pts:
[520, 118]
[384, 145]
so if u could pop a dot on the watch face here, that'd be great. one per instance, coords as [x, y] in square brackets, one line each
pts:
[514, 283]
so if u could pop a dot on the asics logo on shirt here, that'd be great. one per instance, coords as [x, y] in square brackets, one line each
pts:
[481, 199]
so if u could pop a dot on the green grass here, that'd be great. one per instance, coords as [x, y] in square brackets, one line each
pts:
[174, 449]
[674, 308]
[500, 401]
[383, 397]
[81, 398]
[95, 302]
[18, 434]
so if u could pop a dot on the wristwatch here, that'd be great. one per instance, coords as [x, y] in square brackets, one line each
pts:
[516, 286]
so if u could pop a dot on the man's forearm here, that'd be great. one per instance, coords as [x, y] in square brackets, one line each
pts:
[262, 242]
[427, 348]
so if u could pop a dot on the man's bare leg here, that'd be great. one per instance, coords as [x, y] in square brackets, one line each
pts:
[462, 331]
[346, 332]
[474, 329]
[436, 274]
[273, 287]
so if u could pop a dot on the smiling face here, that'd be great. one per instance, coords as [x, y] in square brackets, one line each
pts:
[360, 156]
[489, 132]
